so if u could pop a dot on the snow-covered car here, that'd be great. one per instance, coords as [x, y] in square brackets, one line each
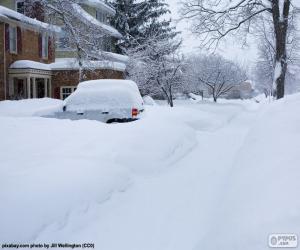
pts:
[104, 100]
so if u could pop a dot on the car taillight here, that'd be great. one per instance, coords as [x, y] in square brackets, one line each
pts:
[134, 112]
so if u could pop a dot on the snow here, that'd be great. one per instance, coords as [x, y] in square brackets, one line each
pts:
[69, 168]
[28, 64]
[9, 14]
[116, 57]
[108, 29]
[99, 4]
[148, 100]
[197, 176]
[28, 107]
[105, 95]
[281, 8]
[277, 73]
[68, 63]
[72, 63]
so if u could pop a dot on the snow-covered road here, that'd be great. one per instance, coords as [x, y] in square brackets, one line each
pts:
[175, 209]
[194, 195]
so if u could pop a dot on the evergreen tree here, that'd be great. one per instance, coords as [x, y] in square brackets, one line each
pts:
[137, 21]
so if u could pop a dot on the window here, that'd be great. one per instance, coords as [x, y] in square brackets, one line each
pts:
[45, 45]
[63, 41]
[20, 6]
[13, 39]
[102, 17]
[65, 91]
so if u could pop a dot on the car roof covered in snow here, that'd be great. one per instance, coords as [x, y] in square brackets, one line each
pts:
[104, 95]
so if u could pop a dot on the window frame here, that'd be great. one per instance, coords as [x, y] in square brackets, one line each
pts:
[16, 6]
[102, 16]
[63, 95]
[45, 46]
[13, 40]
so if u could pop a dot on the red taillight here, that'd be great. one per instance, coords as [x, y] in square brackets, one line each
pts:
[134, 112]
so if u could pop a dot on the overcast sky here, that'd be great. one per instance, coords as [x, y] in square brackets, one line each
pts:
[230, 49]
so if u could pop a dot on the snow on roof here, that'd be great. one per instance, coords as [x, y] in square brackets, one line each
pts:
[117, 57]
[104, 94]
[27, 64]
[67, 64]
[8, 14]
[108, 29]
[100, 5]
[72, 63]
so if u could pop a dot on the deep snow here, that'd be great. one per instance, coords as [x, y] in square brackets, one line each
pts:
[198, 176]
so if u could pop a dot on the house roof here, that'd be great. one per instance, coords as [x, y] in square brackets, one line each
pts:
[100, 5]
[68, 64]
[106, 28]
[11, 15]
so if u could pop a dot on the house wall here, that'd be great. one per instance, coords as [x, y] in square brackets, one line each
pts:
[71, 78]
[65, 54]
[2, 63]
[11, 4]
[90, 10]
[30, 51]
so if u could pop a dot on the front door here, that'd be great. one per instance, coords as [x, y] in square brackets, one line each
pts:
[40, 88]
[19, 89]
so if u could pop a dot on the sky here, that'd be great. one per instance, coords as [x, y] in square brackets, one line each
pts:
[230, 49]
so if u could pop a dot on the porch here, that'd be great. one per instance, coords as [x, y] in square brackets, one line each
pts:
[29, 83]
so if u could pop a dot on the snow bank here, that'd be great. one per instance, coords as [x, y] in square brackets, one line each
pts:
[30, 107]
[55, 170]
[148, 100]
[260, 194]
[105, 95]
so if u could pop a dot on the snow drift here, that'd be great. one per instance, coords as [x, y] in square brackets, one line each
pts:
[53, 169]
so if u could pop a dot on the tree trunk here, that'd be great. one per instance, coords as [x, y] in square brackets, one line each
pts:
[80, 63]
[215, 96]
[171, 97]
[280, 21]
[80, 72]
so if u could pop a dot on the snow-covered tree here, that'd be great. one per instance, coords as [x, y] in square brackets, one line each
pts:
[138, 20]
[156, 67]
[81, 32]
[215, 19]
[264, 68]
[213, 75]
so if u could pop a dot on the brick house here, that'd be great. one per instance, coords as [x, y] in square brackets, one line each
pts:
[28, 67]
[23, 38]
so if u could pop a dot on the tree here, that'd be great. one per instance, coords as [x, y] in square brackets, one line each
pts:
[79, 30]
[156, 67]
[138, 20]
[264, 69]
[214, 73]
[215, 19]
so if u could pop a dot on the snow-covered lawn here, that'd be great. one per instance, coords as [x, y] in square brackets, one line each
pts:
[198, 176]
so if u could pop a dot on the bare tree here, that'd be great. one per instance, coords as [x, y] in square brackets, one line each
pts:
[215, 19]
[213, 75]
[264, 68]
